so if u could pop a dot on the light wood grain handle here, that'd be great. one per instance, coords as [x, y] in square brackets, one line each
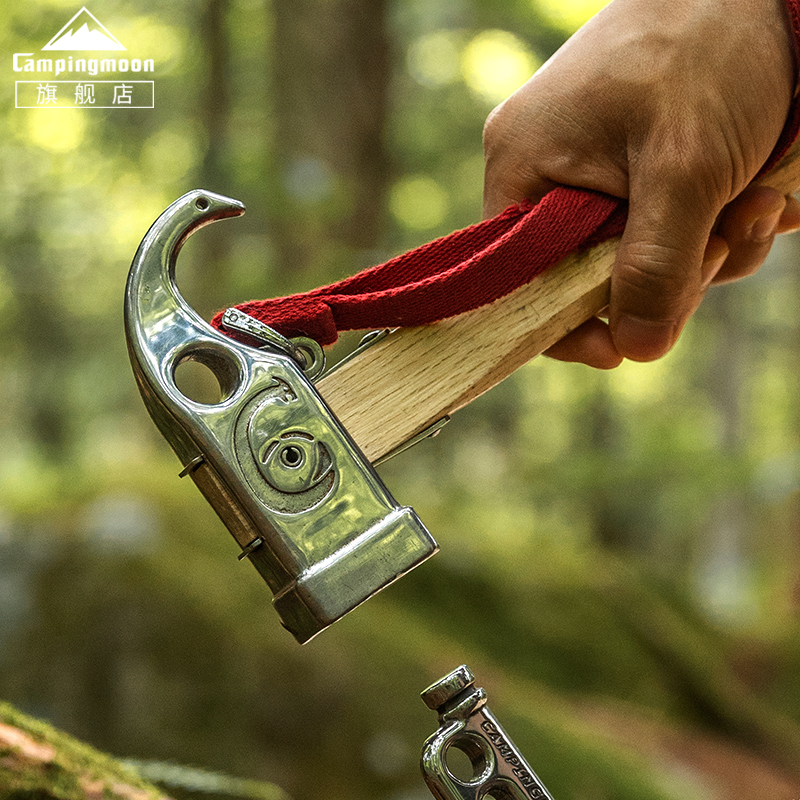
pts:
[415, 376]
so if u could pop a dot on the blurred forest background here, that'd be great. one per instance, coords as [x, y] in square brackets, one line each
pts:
[619, 552]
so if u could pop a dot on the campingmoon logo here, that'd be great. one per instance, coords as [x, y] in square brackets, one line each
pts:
[83, 48]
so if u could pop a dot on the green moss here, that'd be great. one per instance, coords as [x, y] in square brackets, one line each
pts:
[66, 776]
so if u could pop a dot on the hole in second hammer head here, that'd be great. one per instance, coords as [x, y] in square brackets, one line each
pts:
[465, 759]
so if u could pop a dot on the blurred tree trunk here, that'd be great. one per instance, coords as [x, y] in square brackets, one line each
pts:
[602, 435]
[331, 72]
[42, 328]
[215, 97]
[725, 568]
[788, 549]
[210, 264]
[615, 527]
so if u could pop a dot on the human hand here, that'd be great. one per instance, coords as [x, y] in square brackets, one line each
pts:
[675, 107]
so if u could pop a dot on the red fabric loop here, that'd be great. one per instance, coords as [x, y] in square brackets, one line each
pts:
[456, 273]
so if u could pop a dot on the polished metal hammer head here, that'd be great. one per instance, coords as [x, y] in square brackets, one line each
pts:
[495, 768]
[280, 471]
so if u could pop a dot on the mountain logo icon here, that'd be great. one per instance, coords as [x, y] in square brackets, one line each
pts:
[84, 32]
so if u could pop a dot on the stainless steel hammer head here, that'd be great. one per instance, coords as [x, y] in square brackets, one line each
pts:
[496, 768]
[290, 485]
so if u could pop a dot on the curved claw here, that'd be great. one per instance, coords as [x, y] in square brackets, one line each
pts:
[151, 292]
[160, 325]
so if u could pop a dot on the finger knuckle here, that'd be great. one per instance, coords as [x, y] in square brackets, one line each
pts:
[496, 127]
[655, 272]
[490, 129]
[692, 154]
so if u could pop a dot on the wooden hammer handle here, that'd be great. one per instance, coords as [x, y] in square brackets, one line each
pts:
[415, 376]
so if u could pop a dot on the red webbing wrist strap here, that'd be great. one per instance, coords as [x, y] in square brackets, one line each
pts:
[471, 267]
[451, 275]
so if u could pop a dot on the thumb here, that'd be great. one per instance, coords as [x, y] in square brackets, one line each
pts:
[658, 275]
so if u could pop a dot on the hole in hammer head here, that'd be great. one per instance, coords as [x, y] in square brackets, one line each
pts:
[205, 375]
[201, 204]
[465, 759]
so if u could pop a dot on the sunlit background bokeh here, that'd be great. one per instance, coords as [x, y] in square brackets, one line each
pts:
[619, 552]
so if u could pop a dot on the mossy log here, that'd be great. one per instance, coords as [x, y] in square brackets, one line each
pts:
[38, 761]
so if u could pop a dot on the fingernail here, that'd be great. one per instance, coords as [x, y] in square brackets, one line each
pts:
[643, 339]
[766, 227]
